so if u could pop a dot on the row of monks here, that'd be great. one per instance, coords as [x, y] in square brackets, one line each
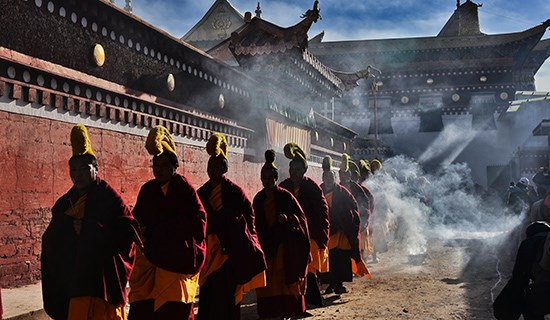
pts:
[290, 238]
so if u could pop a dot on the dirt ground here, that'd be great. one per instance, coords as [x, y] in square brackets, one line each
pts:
[456, 279]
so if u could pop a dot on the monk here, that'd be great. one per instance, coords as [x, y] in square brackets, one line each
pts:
[349, 175]
[344, 255]
[283, 234]
[313, 202]
[235, 262]
[89, 247]
[173, 224]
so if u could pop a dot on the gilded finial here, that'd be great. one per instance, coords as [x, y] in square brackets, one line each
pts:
[258, 11]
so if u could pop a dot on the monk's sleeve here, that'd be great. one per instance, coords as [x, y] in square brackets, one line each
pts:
[353, 228]
[248, 212]
[297, 243]
[321, 209]
[125, 231]
[197, 221]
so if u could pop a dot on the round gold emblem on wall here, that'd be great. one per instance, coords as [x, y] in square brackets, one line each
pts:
[99, 55]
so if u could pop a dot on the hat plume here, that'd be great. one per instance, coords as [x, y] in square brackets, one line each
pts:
[217, 146]
[159, 140]
[80, 141]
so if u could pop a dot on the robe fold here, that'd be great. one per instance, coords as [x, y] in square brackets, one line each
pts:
[313, 203]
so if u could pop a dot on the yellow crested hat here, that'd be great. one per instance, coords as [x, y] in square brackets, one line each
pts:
[160, 140]
[327, 164]
[292, 151]
[217, 146]
[364, 165]
[269, 159]
[375, 165]
[80, 141]
[354, 168]
[344, 165]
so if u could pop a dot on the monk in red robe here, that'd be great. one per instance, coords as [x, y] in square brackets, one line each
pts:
[376, 233]
[88, 249]
[235, 262]
[313, 202]
[344, 255]
[173, 223]
[349, 171]
[283, 234]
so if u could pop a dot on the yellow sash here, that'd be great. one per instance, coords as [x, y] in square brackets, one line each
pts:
[151, 282]
[76, 211]
[319, 262]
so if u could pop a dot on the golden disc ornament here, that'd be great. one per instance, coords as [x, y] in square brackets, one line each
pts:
[455, 97]
[99, 55]
[170, 82]
[221, 101]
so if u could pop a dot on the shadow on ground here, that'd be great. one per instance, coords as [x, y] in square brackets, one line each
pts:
[487, 269]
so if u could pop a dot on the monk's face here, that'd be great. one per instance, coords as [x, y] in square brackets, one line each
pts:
[217, 167]
[345, 177]
[269, 178]
[163, 169]
[329, 180]
[83, 173]
[297, 170]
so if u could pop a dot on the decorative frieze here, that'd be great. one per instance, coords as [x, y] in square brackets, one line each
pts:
[98, 103]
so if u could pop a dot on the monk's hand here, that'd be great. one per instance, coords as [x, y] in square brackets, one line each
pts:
[282, 218]
[77, 225]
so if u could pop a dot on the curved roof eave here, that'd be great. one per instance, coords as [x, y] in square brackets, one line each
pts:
[430, 43]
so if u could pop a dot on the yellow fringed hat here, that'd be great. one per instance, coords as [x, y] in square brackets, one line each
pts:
[344, 165]
[80, 141]
[160, 140]
[375, 165]
[327, 164]
[269, 159]
[364, 166]
[294, 152]
[354, 168]
[217, 146]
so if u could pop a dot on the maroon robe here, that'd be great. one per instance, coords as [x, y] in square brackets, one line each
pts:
[292, 234]
[363, 201]
[370, 197]
[234, 226]
[315, 207]
[96, 263]
[344, 216]
[175, 225]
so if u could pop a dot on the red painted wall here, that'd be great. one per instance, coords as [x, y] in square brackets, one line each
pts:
[34, 157]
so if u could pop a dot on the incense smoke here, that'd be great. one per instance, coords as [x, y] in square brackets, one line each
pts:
[414, 205]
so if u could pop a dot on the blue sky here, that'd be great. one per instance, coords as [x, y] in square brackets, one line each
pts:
[360, 19]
